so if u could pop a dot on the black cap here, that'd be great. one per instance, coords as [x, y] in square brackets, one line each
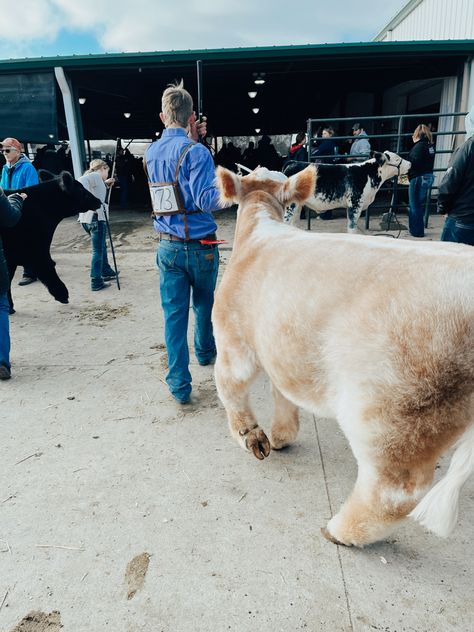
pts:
[356, 127]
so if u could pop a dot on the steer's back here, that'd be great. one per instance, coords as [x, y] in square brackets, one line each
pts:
[316, 308]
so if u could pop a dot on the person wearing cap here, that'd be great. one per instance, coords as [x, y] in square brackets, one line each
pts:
[456, 191]
[360, 148]
[17, 173]
[10, 214]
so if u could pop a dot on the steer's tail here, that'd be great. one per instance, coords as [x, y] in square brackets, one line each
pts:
[438, 510]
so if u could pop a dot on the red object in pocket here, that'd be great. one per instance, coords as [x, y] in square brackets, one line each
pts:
[212, 242]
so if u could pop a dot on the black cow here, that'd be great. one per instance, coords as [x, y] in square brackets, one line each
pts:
[28, 243]
[352, 186]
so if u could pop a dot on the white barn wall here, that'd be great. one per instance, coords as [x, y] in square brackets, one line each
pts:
[435, 19]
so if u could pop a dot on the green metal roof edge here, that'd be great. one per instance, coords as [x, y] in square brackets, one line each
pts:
[229, 54]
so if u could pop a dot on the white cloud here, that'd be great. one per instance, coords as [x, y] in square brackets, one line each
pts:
[147, 25]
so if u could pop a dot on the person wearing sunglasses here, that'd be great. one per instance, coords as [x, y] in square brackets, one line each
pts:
[18, 172]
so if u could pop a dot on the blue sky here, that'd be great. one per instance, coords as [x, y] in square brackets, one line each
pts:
[34, 28]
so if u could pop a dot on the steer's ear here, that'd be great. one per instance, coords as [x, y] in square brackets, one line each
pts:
[229, 184]
[379, 158]
[66, 181]
[300, 187]
[44, 175]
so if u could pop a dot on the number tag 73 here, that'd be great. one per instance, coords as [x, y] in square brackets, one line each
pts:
[163, 198]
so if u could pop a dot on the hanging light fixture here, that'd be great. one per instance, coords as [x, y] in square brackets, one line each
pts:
[259, 78]
[82, 100]
[257, 129]
[127, 114]
[255, 110]
[252, 95]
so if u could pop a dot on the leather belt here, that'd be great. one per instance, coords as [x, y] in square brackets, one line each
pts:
[169, 237]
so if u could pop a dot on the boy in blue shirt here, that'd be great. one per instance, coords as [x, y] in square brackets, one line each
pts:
[181, 177]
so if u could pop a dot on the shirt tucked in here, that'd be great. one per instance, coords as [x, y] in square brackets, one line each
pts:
[196, 182]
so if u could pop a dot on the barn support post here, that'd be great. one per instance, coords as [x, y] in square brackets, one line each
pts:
[73, 122]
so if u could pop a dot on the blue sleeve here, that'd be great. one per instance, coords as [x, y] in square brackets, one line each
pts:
[202, 177]
[30, 176]
[365, 147]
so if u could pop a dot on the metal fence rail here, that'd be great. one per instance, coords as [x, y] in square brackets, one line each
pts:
[444, 139]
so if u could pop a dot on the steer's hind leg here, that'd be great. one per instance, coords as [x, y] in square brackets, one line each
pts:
[235, 369]
[375, 506]
[285, 423]
[393, 476]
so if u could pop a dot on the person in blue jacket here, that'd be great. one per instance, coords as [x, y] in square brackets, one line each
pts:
[182, 185]
[10, 213]
[18, 172]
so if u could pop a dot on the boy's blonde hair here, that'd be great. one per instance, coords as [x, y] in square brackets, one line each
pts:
[176, 105]
[96, 165]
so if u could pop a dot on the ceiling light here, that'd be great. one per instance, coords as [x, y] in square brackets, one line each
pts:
[157, 134]
[255, 110]
[252, 95]
[51, 135]
[127, 114]
[257, 129]
[259, 81]
[82, 100]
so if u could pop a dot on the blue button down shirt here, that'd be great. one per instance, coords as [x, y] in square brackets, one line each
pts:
[196, 182]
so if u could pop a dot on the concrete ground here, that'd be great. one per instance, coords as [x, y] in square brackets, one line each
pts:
[119, 511]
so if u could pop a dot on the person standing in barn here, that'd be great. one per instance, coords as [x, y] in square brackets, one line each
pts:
[421, 178]
[456, 191]
[96, 180]
[181, 179]
[18, 172]
[10, 213]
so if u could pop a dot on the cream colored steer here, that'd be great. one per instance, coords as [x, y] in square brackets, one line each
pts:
[377, 333]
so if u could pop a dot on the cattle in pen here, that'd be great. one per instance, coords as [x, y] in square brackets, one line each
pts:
[351, 186]
[391, 357]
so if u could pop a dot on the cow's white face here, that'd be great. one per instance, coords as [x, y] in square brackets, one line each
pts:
[262, 173]
[391, 164]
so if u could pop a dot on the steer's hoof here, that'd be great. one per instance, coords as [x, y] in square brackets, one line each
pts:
[331, 538]
[256, 441]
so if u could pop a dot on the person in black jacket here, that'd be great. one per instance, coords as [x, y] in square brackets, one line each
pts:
[298, 149]
[10, 213]
[456, 191]
[326, 148]
[421, 178]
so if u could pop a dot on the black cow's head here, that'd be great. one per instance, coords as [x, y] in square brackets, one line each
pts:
[61, 196]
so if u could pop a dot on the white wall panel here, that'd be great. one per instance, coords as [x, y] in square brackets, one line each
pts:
[437, 19]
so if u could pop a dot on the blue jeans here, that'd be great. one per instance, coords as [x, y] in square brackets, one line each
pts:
[184, 267]
[4, 330]
[459, 231]
[100, 265]
[417, 192]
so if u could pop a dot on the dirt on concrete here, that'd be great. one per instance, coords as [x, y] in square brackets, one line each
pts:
[39, 622]
[135, 574]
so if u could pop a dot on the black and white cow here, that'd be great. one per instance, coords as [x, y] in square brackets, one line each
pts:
[351, 186]
[28, 243]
